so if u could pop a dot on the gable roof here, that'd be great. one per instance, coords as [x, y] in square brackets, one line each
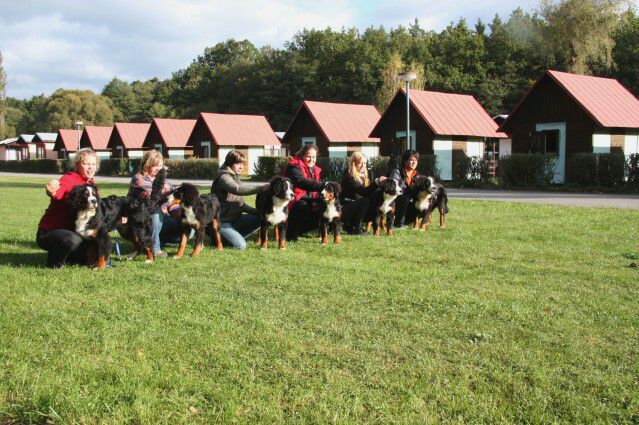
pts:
[46, 137]
[68, 139]
[342, 122]
[239, 130]
[605, 100]
[131, 134]
[174, 132]
[9, 140]
[97, 136]
[25, 138]
[453, 114]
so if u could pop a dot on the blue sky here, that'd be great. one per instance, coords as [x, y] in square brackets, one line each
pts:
[78, 44]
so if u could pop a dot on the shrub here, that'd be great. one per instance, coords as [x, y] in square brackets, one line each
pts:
[472, 169]
[581, 169]
[44, 166]
[378, 166]
[611, 169]
[332, 168]
[632, 169]
[205, 169]
[114, 167]
[428, 165]
[270, 166]
[590, 169]
[527, 169]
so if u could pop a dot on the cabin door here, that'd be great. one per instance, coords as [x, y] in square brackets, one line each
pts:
[550, 139]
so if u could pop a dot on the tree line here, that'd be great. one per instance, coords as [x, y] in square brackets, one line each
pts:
[496, 62]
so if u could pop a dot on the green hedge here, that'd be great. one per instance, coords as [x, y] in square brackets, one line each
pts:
[205, 169]
[589, 169]
[44, 166]
[472, 169]
[632, 170]
[269, 166]
[526, 169]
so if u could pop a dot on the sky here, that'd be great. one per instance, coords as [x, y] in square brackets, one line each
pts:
[71, 44]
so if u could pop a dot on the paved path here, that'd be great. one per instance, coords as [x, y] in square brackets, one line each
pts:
[550, 198]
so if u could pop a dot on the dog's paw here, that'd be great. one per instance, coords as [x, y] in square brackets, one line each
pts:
[177, 257]
[131, 256]
[148, 261]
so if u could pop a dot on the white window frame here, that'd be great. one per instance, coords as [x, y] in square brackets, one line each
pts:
[413, 139]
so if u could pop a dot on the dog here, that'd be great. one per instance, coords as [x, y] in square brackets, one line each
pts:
[139, 226]
[272, 209]
[331, 212]
[88, 218]
[198, 211]
[383, 204]
[428, 195]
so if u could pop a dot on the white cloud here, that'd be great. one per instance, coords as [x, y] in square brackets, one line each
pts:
[78, 44]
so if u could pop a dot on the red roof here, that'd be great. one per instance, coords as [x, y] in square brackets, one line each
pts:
[604, 99]
[240, 130]
[132, 134]
[68, 138]
[175, 133]
[343, 122]
[454, 114]
[98, 136]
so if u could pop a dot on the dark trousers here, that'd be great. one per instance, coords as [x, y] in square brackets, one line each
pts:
[63, 247]
[354, 211]
[303, 217]
[404, 210]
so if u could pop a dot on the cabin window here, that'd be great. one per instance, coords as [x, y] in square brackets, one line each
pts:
[158, 147]
[308, 141]
[205, 149]
[547, 142]
[120, 151]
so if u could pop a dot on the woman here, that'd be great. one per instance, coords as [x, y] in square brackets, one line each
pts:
[405, 174]
[56, 231]
[305, 175]
[237, 220]
[356, 191]
[166, 227]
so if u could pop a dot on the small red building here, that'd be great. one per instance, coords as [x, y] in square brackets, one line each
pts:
[564, 114]
[443, 124]
[215, 135]
[338, 129]
[170, 136]
[66, 143]
[127, 139]
[97, 138]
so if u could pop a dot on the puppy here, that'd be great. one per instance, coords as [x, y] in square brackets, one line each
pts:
[331, 212]
[88, 218]
[139, 226]
[428, 195]
[383, 204]
[198, 211]
[272, 209]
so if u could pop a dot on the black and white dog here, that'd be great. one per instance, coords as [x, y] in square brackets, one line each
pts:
[198, 211]
[383, 204]
[88, 218]
[331, 212]
[272, 209]
[428, 194]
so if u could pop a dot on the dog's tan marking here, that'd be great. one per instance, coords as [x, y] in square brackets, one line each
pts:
[197, 250]
[182, 246]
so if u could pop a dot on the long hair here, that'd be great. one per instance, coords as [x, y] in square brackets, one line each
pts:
[353, 161]
[150, 159]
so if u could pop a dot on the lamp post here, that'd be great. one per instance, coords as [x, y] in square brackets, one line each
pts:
[78, 124]
[408, 76]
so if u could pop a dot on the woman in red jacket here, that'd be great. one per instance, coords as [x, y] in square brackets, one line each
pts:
[305, 175]
[56, 233]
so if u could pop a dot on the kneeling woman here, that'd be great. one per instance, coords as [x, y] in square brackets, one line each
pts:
[356, 191]
[305, 176]
[56, 231]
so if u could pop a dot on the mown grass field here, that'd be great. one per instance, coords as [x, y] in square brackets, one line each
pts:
[514, 313]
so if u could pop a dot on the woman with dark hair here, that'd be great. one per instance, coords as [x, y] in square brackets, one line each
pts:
[56, 231]
[404, 174]
[305, 176]
[237, 220]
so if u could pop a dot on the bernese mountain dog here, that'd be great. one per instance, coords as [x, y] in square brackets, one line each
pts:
[272, 209]
[428, 194]
[383, 205]
[198, 211]
[331, 212]
[139, 226]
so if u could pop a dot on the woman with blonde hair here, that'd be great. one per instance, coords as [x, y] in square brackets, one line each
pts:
[166, 227]
[56, 231]
[356, 191]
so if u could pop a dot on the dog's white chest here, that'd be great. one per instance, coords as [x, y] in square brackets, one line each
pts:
[189, 215]
[331, 212]
[386, 207]
[422, 201]
[82, 221]
[277, 216]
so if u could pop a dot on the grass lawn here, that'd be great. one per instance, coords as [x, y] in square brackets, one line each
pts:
[514, 313]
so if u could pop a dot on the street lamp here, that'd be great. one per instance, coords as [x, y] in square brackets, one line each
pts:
[408, 76]
[78, 124]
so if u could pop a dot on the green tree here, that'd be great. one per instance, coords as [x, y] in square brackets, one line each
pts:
[64, 107]
[3, 85]
[626, 52]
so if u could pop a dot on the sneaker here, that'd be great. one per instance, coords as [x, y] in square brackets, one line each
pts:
[161, 254]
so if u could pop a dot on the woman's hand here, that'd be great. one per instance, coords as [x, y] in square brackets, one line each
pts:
[52, 187]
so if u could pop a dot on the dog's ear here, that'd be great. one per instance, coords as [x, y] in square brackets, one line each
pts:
[338, 189]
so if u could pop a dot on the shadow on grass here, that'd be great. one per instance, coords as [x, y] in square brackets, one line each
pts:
[32, 259]
[20, 242]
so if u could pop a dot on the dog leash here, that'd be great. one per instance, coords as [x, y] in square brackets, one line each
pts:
[117, 244]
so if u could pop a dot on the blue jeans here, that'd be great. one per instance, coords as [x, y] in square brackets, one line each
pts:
[234, 232]
[166, 229]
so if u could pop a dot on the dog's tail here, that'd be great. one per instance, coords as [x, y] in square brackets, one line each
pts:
[444, 202]
[158, 187]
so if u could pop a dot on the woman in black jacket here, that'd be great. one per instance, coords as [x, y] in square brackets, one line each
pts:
[404, 174]
[356, 191]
